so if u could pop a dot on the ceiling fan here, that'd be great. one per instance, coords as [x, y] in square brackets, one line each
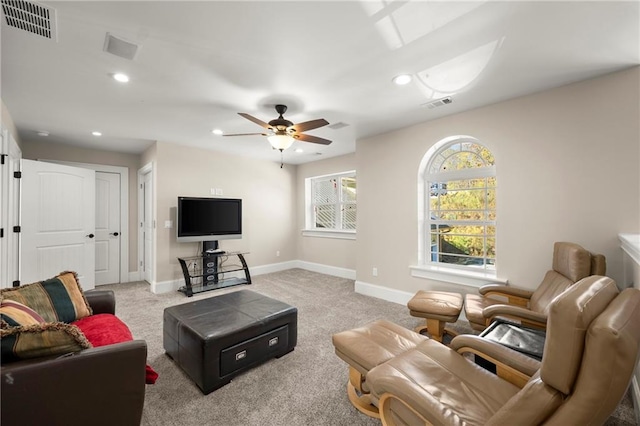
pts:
[282, 132]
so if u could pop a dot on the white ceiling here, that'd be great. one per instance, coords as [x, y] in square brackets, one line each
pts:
[200, 63]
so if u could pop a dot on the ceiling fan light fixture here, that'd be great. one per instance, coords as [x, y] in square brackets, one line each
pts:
[280, 141]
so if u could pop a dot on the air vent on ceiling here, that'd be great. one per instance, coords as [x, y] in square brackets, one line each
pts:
[338, 125]
[120, 47]
[438, 103]
[30, 17]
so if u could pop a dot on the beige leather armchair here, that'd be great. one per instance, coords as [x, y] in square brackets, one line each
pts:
[592, 344]
[571, 263]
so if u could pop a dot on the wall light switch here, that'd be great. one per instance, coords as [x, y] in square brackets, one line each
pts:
[213, 191]
[168, 224]
[218, 191]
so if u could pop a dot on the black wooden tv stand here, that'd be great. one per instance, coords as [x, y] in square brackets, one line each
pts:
[207, 271]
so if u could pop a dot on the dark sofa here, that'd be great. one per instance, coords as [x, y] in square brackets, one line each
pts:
[98, 386]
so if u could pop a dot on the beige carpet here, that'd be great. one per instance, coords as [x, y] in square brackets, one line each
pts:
[304, 387]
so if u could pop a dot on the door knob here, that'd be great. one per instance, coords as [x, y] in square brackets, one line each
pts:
[90, 235]
[115, 234]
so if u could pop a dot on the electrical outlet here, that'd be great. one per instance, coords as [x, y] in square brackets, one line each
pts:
[219, 191]
[213, 191]
[375, 272]
[278, 253]
[168, 224]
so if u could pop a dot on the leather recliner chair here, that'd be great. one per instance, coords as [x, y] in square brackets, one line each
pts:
[591, 350]
[571, 263]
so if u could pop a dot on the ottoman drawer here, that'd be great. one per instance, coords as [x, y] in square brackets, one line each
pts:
[253, 350]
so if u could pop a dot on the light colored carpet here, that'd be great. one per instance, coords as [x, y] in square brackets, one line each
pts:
[305, 387]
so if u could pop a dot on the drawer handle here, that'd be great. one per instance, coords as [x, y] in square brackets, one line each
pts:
[241, 355]
[273, 342]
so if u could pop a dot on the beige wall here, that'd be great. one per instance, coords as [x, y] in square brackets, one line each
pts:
[325, 251]
[567, 165]
[35, 150]
[267, 191]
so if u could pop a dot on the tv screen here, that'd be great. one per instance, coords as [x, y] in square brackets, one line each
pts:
[208, 219]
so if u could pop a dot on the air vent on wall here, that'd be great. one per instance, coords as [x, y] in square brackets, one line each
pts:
[30, 17]
[120, 47]
[438, 103]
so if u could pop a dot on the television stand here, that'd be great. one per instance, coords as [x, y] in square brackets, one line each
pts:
[207, 272]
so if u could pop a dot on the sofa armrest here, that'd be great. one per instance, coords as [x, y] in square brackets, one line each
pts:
[101, 301]
[511, 365]
[77, 389]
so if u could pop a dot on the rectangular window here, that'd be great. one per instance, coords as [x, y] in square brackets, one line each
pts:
[462, 222]
[332, 202]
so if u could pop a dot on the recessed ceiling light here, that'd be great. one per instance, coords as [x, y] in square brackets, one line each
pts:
[402, 79]
[42, 133]
[96, 133]
[217, 132]
[299, 150]
[122, 78]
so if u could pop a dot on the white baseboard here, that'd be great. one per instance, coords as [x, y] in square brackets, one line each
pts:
[348, 274]
[384, 293]
[273, 267]
[174, 285]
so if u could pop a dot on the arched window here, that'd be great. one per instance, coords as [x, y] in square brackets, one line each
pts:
[458, 199]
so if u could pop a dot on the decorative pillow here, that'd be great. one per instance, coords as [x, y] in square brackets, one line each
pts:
[33, 341]
[59, 299]
[108, 329]
[15, 314]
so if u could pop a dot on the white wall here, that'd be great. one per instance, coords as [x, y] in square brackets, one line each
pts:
[568, 170]
[267, 191]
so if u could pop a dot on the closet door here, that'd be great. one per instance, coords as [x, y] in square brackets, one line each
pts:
[57, 222]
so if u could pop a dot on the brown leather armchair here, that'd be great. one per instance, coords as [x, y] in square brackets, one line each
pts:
[592, 344]
[571, 263]
[97, 386]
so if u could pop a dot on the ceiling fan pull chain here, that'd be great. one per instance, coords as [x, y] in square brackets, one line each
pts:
[281, 159]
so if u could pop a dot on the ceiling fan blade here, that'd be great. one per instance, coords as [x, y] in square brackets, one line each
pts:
[312, 139]
[309, 125]
[246, 134]
[255, 120]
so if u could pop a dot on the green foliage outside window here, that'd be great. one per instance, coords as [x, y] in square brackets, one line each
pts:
[462, 211]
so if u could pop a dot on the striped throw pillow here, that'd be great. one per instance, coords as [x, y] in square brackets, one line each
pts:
[38, 340]
[15, 314]
[59, 299]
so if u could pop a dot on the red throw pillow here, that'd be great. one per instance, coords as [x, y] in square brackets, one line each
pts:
[107, 329]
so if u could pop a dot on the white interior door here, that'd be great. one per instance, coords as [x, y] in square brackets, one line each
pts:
[108, 232]
[9, 211]
[57, 222]
[148, 228]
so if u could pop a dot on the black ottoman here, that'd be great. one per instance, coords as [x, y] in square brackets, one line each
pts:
[215, 339]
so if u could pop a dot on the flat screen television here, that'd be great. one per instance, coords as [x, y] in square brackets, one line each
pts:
[208, 219]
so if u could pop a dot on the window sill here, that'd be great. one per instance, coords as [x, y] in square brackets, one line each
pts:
[456, 276]
[326, 233]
